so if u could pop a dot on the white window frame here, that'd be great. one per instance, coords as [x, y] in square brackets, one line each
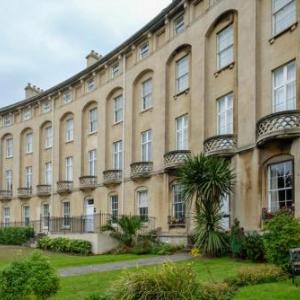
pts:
[69, 168]
[118, 155]
[114, 207]
[69, 130]
[225, 49]
[48, 137]
[289, 20]
[29, 143]
[66, 210]
[6, 216]
[182, 132]
[45, 212]
[28, 177]
[92, 157]
[178, 214]
[26, 215]
[146, 145]
[118, 109]
[46, 106]
[8, 120]
[147, 89]
[143, 204]
[115, 70]
[48, 173]
[9, 147]
[288, 103]
[8, 180]
[144, 50]
[90, 85]
[27, 114]
[179, 25]
[182, 74]
[67, 97]
[227, 114]
[93, 120]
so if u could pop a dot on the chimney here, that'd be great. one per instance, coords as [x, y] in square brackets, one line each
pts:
[92, 58]
[32, 90]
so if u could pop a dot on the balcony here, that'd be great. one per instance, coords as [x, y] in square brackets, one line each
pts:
[88, 182]
[64, 187]
[174, 159]
[280, 125]
[5, 195]
[43, 190]
[221, 145]
[112, 177]
[140, 170]
[24, 193]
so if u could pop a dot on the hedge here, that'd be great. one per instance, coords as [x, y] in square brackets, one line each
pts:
[65, 245]
[15, 235]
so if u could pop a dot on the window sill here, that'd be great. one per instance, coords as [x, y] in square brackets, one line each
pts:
[146, 110]
[291, 28]
[9, 157]
[92, 133]
[68, 142]
[184, 92]
[28, 153]
[229, 66]
[48, 148]
[117, 123]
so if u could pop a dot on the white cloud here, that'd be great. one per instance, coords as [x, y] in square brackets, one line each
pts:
[45, 41]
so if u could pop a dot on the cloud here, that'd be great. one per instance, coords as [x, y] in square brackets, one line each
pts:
[45, 42]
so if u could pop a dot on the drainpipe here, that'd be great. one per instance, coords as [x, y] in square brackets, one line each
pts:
[51, 208]
[123, 133]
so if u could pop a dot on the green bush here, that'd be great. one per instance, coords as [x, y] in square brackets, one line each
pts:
[253, 247]
[65, 245]
[31, 277]
[15, 235]
[216, 291]
[256, 275]
[166, 282]
[281, 233]
[237, 239]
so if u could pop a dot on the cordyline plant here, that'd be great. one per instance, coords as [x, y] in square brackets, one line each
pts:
[206, 180]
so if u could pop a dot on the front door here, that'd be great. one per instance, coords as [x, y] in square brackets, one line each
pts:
[89, 215]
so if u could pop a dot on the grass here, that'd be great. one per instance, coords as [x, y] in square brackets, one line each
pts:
[58, 260]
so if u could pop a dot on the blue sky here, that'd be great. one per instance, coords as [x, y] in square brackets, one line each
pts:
[45, 41]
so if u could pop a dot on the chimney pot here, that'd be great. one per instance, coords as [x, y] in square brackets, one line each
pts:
[92, 58]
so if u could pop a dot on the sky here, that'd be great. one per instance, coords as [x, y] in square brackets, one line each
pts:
[46, 41]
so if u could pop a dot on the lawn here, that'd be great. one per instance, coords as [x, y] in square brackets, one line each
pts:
[57, 260]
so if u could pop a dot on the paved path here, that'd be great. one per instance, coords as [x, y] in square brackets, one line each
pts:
[122, 264]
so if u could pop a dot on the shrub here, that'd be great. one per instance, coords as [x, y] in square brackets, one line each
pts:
[166, 282]
[256, 275]
[253, 247]
[15, 235]
[281, 233]
[216, 291]
[65, 245]
[237, 239]
[31, 277]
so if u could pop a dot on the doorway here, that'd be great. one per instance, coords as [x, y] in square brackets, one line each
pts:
[89, 225]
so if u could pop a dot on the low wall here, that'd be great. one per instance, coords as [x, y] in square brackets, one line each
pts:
[101, 242]
[177, 240]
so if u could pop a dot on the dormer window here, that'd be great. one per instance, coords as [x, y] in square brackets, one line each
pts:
[7, 120]
[27, 114]
[90, 85]
[67, 97]
[115, 70]
[46, 107]
[179, 24]
[144, 50]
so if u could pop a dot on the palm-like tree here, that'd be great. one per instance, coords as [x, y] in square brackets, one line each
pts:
[206, 180]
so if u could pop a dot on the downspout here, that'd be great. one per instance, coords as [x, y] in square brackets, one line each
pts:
[123, 133]
[51, 210]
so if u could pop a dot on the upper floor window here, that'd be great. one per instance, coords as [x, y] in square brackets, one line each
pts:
[118, 109]
[284, 14]
[146, 94]
[146, 145]
[90, 85]
[284, 87]
[115, 70]
[48, 137]
[69, 130]
[9, 148]
[114, 207]
[93, 120]
[69, 168]
[8, 120]
[280, 186]
[8, 179]
[92, 162]
[67, 97]
[142, 197]
[29, 142]
[182, 74]
[144, 50]
[28, 177]
[182, 133]
[117, 155]
[27, 114]
[46, 107]
[225, 47]
[225, 114]
[179, 24]
[48, 172]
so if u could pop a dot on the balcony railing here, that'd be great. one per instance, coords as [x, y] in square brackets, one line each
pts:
[5, 195]
[221, 145]
[111, 177]
[174, 222]
[64, 186]
[88, 182]
[24, 192]
[285, 124]
[141, 169]
[174, 159]
[43, 190]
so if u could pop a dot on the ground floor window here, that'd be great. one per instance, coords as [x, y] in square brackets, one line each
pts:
[45, 215]
[143, 204]
[114, 207]
[178, 205]
[66, 214]
[6, 216]
[26, 215]
[280, 189]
